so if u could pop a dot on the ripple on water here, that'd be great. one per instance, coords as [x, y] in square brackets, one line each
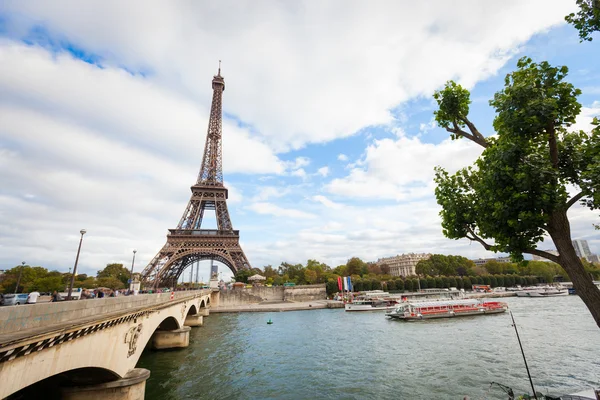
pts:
[332, 354]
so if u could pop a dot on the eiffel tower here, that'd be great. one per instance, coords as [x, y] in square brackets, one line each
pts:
[188, 243]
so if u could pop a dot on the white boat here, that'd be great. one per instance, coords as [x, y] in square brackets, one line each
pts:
[372, 300]
[371, 305]
[543, 291]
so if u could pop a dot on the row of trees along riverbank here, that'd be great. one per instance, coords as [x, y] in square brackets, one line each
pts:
[440, 271]
[113, 276]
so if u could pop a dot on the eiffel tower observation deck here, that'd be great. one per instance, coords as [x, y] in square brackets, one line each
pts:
[189, 243]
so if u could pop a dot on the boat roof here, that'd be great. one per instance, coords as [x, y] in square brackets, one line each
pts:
[443, 303]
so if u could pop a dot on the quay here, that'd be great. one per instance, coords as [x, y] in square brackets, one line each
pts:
[279, 306]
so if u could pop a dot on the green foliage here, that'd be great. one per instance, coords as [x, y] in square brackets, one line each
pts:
[399, 284]
[243, 274]
[89, 283]
[587, 19]
[391, 285]
[440, 264]
[115, 271]
[332, 287]
[46, 284]
[110, 282]
[453, 106]
[521, 178]
[355, 266]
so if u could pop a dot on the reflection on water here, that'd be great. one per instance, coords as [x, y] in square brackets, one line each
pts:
[332, 354]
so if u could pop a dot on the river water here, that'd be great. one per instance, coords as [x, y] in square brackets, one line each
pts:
[333, 354]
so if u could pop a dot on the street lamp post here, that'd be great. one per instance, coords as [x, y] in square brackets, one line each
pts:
[19, 278]
[75, 267]
[132, 262]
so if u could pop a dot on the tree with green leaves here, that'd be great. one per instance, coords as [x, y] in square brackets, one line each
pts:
[117, 271]
[587, 19]
[516, 193]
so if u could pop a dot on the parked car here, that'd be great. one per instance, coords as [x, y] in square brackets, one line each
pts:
[15, 299]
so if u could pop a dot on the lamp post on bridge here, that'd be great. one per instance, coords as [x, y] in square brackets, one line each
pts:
[131, 278]
[75, 267]
[19, 278]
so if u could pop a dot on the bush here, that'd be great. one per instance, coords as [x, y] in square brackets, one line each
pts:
[399, 284]
[391, 285]
[467, 283]
[332, 287]
[445, 282]
[459, 283]
[430, 282]
[500, 280]
[408, 285]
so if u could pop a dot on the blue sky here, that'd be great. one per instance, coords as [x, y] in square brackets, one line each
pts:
[329, 143]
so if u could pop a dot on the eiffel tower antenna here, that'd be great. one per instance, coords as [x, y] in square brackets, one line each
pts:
[189, 243]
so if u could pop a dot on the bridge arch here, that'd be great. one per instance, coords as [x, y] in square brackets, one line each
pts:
[50, 387]
[168, 324]
[192, 310]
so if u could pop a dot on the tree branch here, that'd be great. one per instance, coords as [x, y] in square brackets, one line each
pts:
[480, 140]
[575, 199]
[544, 254]
[472, 128]
[476, 238]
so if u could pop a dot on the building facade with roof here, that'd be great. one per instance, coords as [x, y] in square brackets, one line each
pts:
[404, 264]
[481, 261]
[582, 249]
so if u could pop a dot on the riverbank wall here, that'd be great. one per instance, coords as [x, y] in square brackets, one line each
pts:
[274, 294]
[278, 307]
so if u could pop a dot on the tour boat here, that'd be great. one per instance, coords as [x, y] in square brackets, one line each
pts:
[544, 291]
[412, 311]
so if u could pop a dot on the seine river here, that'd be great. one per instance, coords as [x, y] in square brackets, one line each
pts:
[333, 354]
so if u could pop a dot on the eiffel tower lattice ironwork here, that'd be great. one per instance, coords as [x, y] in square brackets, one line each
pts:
[189, 243]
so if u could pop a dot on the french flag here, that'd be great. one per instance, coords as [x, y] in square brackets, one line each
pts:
[347, 283]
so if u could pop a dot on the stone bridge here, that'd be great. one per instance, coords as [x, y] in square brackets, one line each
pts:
[88, 349]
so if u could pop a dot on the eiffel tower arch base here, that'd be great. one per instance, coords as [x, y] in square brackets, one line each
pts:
[181, 251]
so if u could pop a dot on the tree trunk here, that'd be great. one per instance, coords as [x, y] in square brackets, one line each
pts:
[560, 231]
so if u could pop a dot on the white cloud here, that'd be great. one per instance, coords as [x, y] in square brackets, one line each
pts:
[268, 192]
[344, 74]
[299, 172]
[403, 168]
[272, 209]
[585, 117]
[323, 171]
[342, 157]
[326, 202]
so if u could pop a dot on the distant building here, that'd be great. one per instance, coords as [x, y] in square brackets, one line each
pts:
[481, 261]
[538, 258]
[582, 249]
[403, 265]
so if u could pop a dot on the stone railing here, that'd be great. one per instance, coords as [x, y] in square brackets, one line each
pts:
[14, 319]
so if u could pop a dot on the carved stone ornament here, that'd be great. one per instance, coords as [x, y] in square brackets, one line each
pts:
[131, 337]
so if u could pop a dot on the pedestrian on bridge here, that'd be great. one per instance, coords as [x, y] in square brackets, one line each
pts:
[32, 298]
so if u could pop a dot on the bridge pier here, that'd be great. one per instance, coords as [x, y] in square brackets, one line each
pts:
[204, 312]
[171, 339]
[131, 387]
[194, 320]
